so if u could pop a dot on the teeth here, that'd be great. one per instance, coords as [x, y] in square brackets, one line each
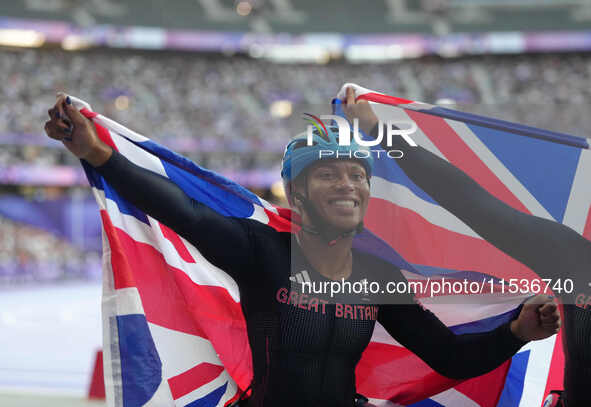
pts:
[345, 203]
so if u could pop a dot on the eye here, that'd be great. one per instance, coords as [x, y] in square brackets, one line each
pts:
[324, 173]
[358, 176]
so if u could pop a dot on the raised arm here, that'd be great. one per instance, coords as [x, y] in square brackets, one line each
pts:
[547, 247]
[162, 199]
[467, 355]
[154, 194]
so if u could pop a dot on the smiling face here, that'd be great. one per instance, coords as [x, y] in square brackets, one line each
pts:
[339, 190]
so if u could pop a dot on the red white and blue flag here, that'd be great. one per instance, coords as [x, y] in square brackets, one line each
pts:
[174, 334]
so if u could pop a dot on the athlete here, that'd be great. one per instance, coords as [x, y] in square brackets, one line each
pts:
[549, 248]
[305, 349]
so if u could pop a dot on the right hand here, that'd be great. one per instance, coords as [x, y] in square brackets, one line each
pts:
[78, 134]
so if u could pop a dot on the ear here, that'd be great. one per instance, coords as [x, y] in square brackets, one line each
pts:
[288, 189]
[298, 191]
[297, 197]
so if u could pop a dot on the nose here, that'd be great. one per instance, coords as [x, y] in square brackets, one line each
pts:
[345, 183]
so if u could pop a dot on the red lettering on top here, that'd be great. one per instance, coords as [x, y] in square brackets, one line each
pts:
[303, 301]
[583, 302]
[282, 295]
[313, 303]
[348, 311]
[338, 312]
[355, 308]
[323, 302]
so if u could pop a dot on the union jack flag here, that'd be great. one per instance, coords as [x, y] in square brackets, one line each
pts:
[174, 334]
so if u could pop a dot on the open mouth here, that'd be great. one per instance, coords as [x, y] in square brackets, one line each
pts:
[344, 203]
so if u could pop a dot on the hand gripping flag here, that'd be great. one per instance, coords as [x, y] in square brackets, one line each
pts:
[174, 334]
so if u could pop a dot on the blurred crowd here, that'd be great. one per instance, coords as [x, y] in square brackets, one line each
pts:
[221, 112]
[207, 106]
[31, 255]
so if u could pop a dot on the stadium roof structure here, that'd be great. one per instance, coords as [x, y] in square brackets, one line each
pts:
[354, 28]
[301, 16]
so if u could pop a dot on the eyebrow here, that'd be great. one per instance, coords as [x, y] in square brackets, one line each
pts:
[333, 166]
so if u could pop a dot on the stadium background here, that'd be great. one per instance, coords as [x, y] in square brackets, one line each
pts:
[220, 81]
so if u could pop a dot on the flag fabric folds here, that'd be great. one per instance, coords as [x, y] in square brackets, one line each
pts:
[535, 171]
[174, 334]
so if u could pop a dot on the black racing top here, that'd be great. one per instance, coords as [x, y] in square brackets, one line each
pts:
[550, 249]
[304, 350]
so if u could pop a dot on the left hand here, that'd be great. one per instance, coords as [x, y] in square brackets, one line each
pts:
[359, 109]
[539, 319]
